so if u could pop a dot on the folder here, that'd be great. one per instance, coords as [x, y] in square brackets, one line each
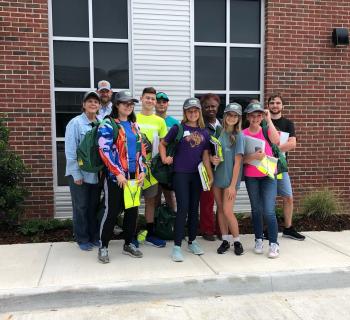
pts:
[204, 176]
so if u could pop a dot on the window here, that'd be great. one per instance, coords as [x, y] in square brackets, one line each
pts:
[90, 43]
[227, 50]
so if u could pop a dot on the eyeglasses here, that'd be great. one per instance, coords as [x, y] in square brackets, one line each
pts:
[128, 104]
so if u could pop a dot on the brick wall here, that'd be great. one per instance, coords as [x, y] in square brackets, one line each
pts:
[25, 95]
[314, 77]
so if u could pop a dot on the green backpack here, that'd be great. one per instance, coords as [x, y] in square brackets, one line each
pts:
[88, 156]
[164, 221]
[282, 165]
[164, 172]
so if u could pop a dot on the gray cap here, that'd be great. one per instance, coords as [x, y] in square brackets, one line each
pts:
[91, 94]
[124, 96]
[254, 107]
[234, 107]
[191, 103]
[103, 85]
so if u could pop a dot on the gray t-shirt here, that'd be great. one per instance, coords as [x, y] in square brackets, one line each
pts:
[223, 172]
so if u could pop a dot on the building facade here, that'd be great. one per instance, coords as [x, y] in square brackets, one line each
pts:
[53, 51]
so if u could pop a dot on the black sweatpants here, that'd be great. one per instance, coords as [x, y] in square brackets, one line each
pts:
[114, 205]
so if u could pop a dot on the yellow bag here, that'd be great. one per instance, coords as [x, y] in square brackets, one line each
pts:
[132, 193]
[149, 180]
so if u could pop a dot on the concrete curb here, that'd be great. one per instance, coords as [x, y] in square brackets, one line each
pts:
[186, 287]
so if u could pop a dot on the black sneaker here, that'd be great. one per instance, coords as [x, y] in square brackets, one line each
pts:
[238, 248]
[132, 251]
[225, 245]
[292, 234]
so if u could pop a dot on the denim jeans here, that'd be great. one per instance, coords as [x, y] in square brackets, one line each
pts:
[262, 193]
[85, 201]
[187, 187]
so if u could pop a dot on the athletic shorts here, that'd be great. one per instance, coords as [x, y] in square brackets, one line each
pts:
[150, 192]
[284, 187]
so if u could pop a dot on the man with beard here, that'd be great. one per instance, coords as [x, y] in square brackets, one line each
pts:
[284, 187]
[105, 92]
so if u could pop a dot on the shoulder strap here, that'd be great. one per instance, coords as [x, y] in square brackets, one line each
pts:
[114, 126]
[266, 134]
[180, 132]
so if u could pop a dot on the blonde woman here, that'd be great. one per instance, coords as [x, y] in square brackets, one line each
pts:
[227, 177]
[190, 151]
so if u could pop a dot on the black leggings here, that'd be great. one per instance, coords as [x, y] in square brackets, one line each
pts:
[187, 188]
[114, 205]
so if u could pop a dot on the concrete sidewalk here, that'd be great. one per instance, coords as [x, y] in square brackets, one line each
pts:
[321, 261]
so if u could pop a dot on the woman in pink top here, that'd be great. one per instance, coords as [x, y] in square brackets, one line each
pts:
[262, 190]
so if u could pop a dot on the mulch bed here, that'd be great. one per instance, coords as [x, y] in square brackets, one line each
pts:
[301, 223]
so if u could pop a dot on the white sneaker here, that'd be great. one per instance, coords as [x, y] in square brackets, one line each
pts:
[274, 251]
[259, 246]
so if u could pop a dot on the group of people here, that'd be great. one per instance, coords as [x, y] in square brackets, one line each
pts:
[127, 152]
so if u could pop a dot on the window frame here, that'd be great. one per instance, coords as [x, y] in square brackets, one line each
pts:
[228, 45]
[90, 39]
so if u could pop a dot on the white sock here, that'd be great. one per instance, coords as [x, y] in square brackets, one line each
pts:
[236, 239]
[231, 238]
[226, 237]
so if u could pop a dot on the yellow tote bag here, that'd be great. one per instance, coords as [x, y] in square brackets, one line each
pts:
[132, 193]
[149, 180]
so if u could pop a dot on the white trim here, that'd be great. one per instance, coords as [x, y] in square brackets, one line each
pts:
[228, 50]
[130, 48]
[91, 45]
[192, 45]
[227, 91]
[63, 89]
[84, 39]
[220, 44]
[52, 102]
[262, 52]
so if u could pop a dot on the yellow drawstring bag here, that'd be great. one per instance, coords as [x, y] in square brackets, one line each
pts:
[132, 193]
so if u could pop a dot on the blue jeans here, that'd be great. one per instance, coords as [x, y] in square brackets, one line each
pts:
[262, 193]
[187, 187]
[85, 201]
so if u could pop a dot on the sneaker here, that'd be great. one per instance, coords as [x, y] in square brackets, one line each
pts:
[176, 255]
[154, 241]
[132, 251]
[208, 237]
[86, 246]
[259, 246]
[195, 248]
[225, 245]
[292, 234]
[103, 255]
[238, 248]
[274, 251]
[95, 243]
[135, 242]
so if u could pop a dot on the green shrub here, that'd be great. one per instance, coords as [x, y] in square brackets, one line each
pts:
[321, 204]
[39, 226]
[12, 170]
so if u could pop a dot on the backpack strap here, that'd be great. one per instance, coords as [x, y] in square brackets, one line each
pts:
[180, 133]
[115, 126]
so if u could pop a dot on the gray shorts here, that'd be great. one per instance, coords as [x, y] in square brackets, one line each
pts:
[284, 186]
[150, 192]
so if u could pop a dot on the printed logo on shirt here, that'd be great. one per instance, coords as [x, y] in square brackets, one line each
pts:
[195, 139]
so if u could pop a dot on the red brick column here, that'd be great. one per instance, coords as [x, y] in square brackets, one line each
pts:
[25, 95]
[314, 77]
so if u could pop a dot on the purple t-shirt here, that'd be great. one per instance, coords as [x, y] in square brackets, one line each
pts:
[190, 148]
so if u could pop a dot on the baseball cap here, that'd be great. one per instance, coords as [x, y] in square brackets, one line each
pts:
[234, 107]
[124, 96]
[191, 102]
[103, 85]
[91, 94]
[162, 96]
[254, 107]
